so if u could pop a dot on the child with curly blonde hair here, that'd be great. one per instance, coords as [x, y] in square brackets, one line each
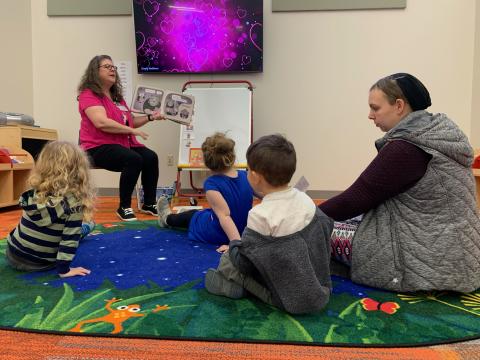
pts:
[228, 193]
[60, 198]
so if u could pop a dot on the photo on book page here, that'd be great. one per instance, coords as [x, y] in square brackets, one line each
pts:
[178, 107]
[147, 100]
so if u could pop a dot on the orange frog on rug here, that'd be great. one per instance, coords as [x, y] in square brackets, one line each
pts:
[117, 316]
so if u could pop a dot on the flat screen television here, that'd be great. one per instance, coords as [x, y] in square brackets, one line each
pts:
[198, 36]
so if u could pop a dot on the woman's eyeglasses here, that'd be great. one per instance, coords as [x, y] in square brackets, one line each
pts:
[109, 67]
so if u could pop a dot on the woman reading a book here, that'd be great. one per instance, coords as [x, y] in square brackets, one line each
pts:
[420, 228]
[108, 132]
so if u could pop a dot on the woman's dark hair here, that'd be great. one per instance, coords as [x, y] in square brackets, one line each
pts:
[273, 157]
[91, 79]
[218, 152]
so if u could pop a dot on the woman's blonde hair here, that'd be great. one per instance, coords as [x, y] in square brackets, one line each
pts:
[390, 88]
[63, 168]
[218, 152]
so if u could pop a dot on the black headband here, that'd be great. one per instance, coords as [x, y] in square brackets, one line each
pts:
[416, 93]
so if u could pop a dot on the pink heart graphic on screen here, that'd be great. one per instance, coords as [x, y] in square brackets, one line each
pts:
[141, 37]
[150, 7]
[241, 13]
[151, 41]
[191, 43]
[227, 62]
[166, 26]
[198, 57]
[246, 59]
[251, 35]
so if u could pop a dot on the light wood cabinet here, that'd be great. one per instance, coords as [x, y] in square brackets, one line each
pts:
[16, 162]
[476, 173]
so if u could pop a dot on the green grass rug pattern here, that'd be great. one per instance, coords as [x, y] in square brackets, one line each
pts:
[148, 282]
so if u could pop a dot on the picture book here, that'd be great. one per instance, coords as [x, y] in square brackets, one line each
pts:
[196, 157]
[174, 106]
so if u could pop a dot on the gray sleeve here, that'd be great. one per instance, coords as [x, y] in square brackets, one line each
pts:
[241, 262]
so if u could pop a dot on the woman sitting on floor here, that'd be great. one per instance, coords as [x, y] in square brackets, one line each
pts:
[420, 229]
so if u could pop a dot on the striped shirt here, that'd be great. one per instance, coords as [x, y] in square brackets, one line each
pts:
[47, 233]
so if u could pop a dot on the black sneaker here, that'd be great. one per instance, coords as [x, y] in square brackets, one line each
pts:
[149, 209]
[218, 284]
[126, 214]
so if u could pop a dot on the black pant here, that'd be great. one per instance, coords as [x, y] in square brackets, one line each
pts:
[130, 163]
[180, 220]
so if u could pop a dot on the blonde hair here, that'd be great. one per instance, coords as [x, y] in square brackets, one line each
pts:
[63, 168]
[218, 152]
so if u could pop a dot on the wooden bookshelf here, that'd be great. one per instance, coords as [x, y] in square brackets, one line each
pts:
[16, 162]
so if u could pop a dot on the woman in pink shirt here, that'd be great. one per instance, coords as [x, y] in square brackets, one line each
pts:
[108, 134]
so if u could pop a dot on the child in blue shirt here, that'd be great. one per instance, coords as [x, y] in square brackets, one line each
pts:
[228, 193]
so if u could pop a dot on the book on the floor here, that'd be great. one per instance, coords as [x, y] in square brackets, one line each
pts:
[302, 184]
[174, 106]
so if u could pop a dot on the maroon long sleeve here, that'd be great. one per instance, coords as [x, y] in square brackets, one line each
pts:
[396, 168]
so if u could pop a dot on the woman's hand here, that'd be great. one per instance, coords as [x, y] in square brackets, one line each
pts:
[75, 271]
[136, 132]
[157, 116]
[222, 249]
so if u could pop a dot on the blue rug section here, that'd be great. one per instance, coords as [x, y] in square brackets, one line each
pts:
[129, 258]
[346, 286]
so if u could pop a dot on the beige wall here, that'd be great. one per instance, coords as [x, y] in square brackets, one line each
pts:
[475, 130]
[16, 90]
[317, 71]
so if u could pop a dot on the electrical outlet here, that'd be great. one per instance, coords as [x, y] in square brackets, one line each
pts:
[170, 160]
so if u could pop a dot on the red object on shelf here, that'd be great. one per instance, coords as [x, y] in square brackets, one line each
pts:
[476, 162]
[5, 157]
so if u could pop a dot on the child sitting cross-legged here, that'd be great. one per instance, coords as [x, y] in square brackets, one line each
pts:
[284, 252]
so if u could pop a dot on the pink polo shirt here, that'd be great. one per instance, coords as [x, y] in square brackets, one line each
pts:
[90, 136]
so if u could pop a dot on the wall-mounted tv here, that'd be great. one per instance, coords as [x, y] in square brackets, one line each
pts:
[198, 36]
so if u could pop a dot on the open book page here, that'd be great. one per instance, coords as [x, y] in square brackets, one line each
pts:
[178, 107]
[174, 106]
[147, 100]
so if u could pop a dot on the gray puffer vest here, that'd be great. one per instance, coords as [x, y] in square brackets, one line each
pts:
[428, 237]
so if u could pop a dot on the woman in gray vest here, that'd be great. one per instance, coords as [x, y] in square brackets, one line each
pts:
[420, 228]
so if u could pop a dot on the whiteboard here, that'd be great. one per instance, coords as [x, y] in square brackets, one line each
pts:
[226, 110]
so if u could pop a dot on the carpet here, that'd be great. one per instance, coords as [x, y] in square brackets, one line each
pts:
[148, 282]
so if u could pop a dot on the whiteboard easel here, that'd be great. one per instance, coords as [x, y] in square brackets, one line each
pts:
[227, 109]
